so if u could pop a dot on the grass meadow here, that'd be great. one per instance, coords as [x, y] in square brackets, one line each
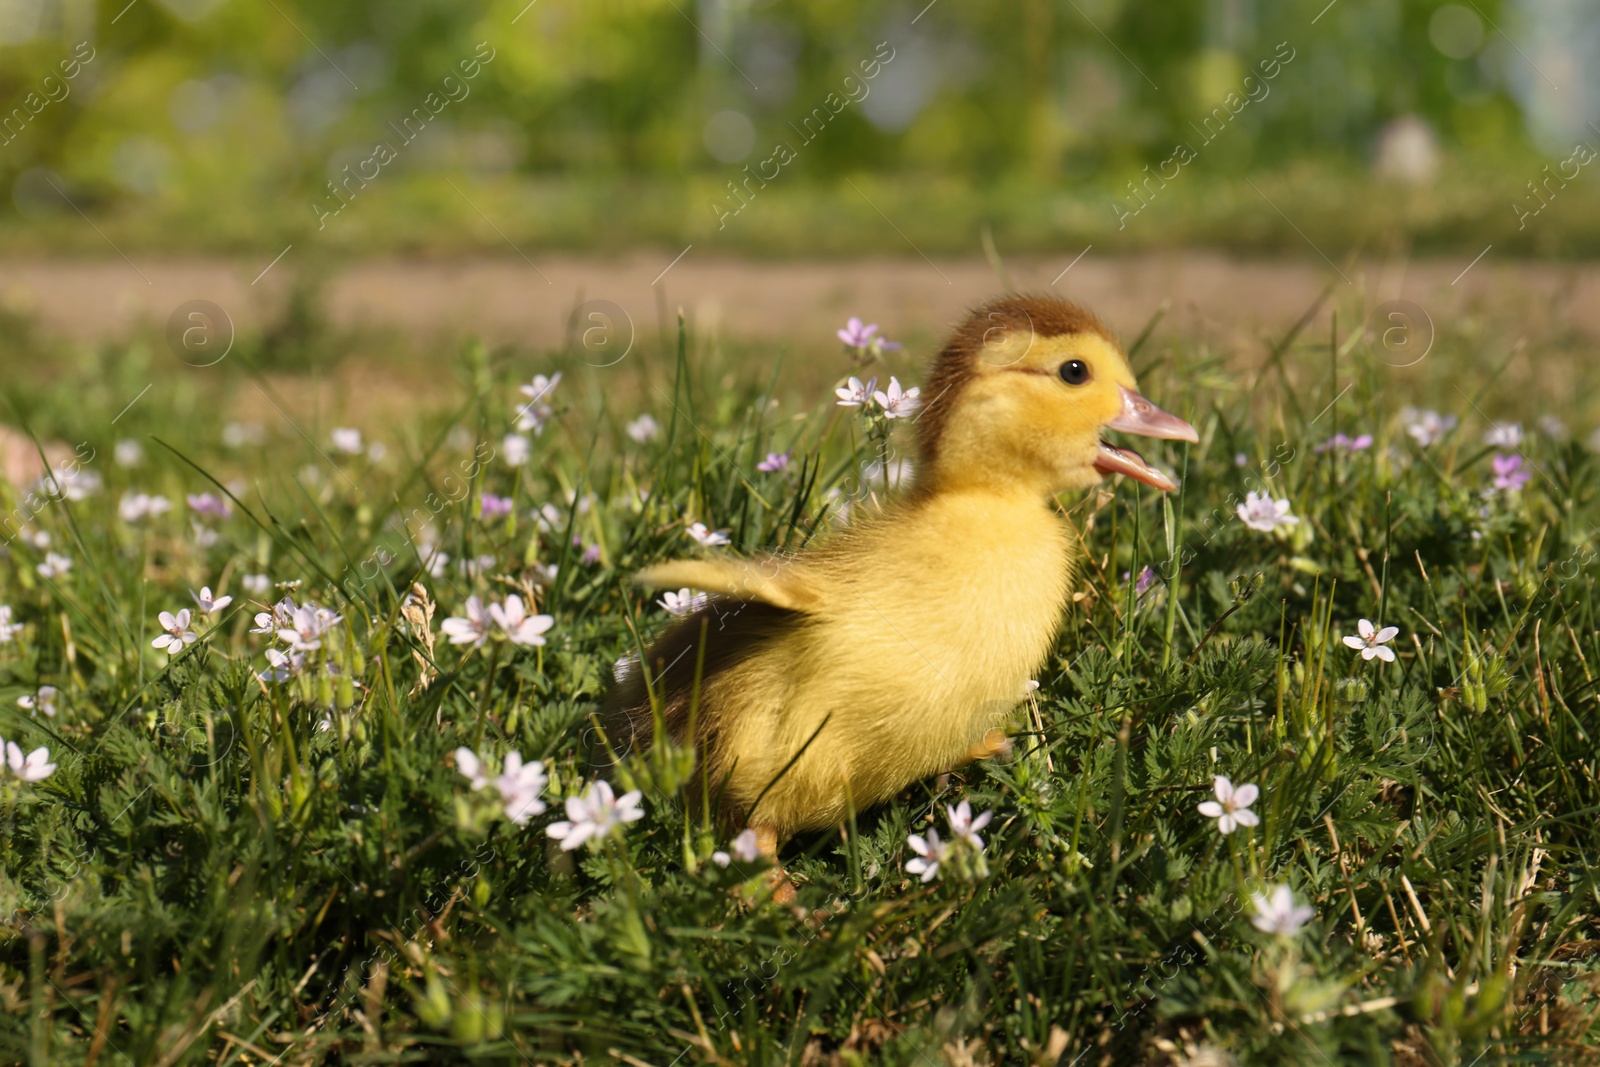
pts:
[253, 848]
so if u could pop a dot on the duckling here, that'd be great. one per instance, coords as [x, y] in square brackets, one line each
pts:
[900, 646]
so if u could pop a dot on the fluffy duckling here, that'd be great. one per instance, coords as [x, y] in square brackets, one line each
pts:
[901, 646]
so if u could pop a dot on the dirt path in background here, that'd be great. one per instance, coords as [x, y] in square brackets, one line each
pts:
[1232, 300]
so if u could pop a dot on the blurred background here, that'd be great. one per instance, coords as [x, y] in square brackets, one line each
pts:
[432, 167]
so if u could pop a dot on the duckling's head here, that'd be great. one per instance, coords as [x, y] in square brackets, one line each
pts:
[1023, 392]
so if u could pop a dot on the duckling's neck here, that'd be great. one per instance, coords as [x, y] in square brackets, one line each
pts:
[937, 479]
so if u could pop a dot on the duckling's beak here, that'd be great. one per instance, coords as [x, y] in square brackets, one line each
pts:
[1142, 417]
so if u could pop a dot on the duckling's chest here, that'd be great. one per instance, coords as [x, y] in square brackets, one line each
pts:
[982, 608]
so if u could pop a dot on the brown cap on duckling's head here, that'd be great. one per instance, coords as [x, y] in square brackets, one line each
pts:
[1023, 390]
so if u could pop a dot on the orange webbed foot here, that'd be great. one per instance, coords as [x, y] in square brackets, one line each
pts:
[782, 888]
[995, 743]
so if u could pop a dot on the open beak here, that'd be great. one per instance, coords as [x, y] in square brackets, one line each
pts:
[1144, 418]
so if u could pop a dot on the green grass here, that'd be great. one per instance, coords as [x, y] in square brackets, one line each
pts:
[211, 877]
[1338, 208]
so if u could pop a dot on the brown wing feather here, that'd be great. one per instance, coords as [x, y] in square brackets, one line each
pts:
[730, 630]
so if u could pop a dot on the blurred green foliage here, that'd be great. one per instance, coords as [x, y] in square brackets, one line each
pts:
[219, 122]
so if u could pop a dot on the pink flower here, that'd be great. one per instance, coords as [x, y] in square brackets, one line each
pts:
[863, 337]
[495, 507]
[1508, 473]
[210, 504]
[1340, 443]
[775, 461]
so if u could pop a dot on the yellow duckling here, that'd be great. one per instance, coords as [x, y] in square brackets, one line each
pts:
[900, 646]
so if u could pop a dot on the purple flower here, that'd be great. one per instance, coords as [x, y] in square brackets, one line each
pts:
[1508, 473]
[1147, 578]
[775, 461]
[496, 507]
[1339, 442]
[863, 337]
[210, 504]
[591, 554]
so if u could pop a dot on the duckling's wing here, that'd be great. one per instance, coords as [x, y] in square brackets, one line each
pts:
[766, 579]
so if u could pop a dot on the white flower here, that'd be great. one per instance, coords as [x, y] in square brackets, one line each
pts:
[239, 434]
[683, 602]
[376, 451]
[519, 627]
[72, 482]
[595, 815]
[1231, 809]
[54, 565]
[208, 604]
[709, 538]
[306, 626]
[8, 629]
[897, 403]
[283, 666]
[1278, 913]
[514, 449]
[854, 394]
[468, 763]
[347, 439]
[281, 617]
[520, 785]
[1426, 427]
[204, 536]
[44, 700]
[31, 768]
[1261, 512]
[36, 538]
[1552, 426]
[256, 584]
[1504, 435]
[1372, 641]
[745, 850]
[470, 629]
[964, 827]
[128, 453]
[178, 635]
[550, 518]
[644, 429]
[136, 507]
[930, 852]
[533, 414]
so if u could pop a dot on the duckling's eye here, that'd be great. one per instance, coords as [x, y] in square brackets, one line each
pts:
[1074, 372]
